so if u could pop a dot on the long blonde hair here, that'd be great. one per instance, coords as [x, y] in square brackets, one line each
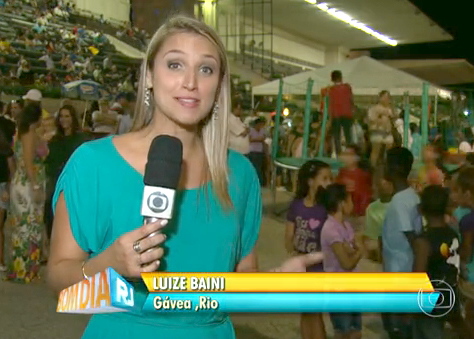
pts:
[214, 129]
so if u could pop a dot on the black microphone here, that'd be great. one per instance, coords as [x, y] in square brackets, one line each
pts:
[161, 179]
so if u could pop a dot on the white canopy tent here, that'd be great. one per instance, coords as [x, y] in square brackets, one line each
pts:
[366, 76]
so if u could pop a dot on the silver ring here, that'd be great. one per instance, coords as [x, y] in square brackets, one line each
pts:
[136, 246]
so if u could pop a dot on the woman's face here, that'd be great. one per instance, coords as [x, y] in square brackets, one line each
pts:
[65, 119]
[385, 99]
[16, 109]
[322, 179]
[185, 78]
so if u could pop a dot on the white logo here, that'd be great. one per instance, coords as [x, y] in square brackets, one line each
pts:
[124, 294]
[157, 202]
[442, 300]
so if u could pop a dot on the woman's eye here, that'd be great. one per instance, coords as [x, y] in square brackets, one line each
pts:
[207, 70]
[174, 65]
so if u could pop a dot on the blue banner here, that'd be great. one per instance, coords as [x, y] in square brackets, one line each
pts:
[292, 302]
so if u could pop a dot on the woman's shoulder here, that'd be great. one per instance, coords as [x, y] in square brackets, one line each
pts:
[91, 152]
[238, 162]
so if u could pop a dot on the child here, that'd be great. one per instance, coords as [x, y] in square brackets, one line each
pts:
[303, 229]
[375, 216]
[341, 251]
[402, 223]
[358, 181]
[436, 253]
[431, 172]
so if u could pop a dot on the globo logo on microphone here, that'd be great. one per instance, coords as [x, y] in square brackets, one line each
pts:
[157, 202]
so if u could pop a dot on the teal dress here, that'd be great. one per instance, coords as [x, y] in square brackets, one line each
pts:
[103, 195]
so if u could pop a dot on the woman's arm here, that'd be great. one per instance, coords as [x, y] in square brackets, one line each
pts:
[66, 257]
[294, 264]
[348, 261]
[289, 236]
[28, 141]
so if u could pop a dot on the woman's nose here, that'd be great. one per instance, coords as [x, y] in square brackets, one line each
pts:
[190, 80]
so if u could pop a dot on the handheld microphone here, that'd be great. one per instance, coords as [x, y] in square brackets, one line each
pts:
[161, 179]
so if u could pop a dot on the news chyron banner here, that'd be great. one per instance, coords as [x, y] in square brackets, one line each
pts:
[260, 292]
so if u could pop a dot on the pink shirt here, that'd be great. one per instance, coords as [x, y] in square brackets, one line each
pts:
[333, 232]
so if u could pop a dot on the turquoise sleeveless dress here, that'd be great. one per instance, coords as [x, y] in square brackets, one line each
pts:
[103, 195]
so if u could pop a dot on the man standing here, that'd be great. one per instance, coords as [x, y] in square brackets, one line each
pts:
[341, 105]
[238, 138]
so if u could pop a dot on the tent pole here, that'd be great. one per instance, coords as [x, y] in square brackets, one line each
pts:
[323, 126]
[307, 118]
[424, 114]
[406, 119]
[276, 135]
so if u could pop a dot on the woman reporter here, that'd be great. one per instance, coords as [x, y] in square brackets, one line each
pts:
[184, 91]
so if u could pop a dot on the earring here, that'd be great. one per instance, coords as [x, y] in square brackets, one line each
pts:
[215, 111]
[147, 97]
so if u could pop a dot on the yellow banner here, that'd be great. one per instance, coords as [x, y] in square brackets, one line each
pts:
[287, 282]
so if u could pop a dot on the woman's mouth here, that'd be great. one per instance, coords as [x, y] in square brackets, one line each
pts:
[188, 102]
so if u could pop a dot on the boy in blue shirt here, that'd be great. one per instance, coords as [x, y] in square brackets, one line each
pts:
[401, 225]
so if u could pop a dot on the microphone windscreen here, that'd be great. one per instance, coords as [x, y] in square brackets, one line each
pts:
[163, 167]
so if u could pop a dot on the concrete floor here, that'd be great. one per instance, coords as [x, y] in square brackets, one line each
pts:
[28, 311]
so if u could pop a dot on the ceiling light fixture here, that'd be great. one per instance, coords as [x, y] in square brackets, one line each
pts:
[354, 23]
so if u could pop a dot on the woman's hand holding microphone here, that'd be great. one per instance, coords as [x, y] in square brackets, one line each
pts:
[139, 250]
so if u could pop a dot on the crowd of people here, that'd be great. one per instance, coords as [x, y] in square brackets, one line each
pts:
[408, 219]
[379, 206]
[66, 54]
[35, 146]
[410, 226]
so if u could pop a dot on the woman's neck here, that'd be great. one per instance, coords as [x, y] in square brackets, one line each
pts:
[67, 131]
[309, 200]
[190, 138]
[339, 216]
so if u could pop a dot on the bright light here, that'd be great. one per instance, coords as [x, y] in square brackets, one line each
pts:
[323, 6]
[466, 112]
[354, 23]
[286, 112]
[444, 94]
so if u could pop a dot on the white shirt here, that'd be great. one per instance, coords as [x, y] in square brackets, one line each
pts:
[237, 142]
[465, 147]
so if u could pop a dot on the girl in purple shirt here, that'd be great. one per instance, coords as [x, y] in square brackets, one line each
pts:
[342, 251]
[303, 229]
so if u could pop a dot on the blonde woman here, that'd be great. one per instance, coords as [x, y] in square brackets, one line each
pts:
[184, 91]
